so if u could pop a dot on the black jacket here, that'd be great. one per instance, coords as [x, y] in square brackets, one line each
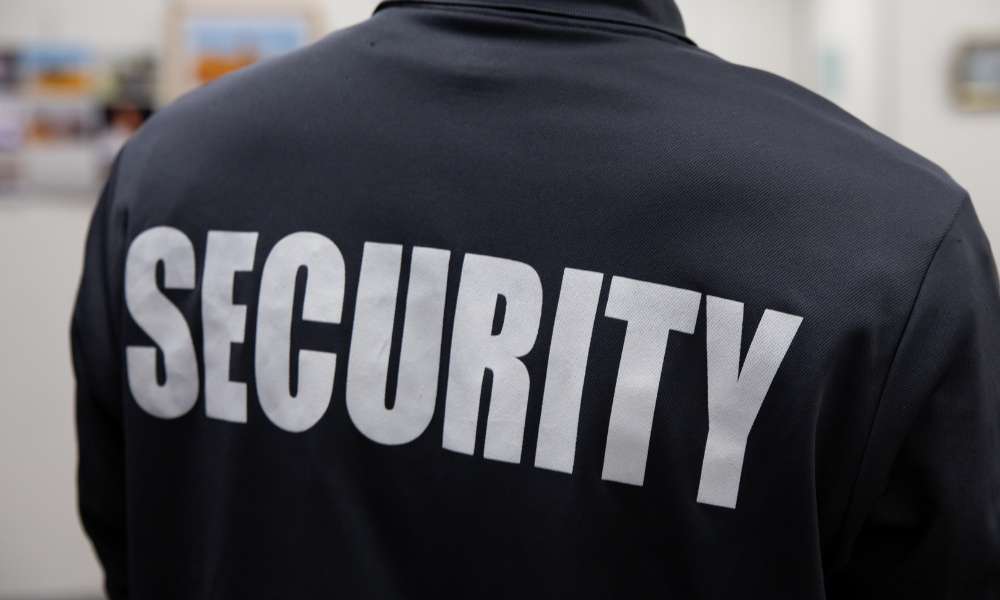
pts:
[517, 299]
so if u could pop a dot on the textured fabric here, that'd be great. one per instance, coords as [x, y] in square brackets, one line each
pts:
[533, 299]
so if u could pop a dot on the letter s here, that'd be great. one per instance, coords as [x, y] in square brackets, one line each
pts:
[162, 322]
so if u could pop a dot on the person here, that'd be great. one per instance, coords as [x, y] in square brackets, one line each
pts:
[533, 298]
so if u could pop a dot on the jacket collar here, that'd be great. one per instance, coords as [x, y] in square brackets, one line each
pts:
[660, 15]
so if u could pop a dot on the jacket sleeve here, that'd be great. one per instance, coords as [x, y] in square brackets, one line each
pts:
[927, 500]
[97, 363]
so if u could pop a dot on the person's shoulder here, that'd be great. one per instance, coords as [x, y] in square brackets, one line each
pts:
[795, 143]
[243, 116]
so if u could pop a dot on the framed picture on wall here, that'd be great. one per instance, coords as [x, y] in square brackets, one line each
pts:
[219, 45]
[976, 80]
[208, 39]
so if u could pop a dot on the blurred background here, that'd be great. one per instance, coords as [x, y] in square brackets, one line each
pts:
[77, 77]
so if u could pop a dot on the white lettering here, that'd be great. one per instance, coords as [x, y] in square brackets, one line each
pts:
[652, 312]
[556, 449]
[735, 396]
[162, 322]
[323, 303]
[475, 348]
[420, 355]
[223, 322]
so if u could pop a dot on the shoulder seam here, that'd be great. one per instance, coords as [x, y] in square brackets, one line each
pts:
[892, 361]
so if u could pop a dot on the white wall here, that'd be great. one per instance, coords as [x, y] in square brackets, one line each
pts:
[348, 12]
[42, 548]
[846, 50]
[106, 24]
[766, 34]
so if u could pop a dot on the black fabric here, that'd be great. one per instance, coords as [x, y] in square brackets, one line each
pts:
[564, 134]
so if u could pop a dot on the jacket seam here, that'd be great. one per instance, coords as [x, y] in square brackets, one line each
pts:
[852, 497]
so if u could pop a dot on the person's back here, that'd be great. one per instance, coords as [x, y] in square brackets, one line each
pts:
[533, 299]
